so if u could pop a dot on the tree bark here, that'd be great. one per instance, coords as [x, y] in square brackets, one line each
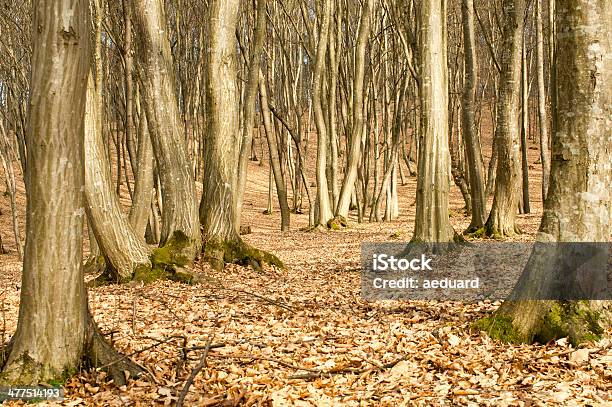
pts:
[354, 148]
[249, 104]
[180, 228]
[502, 218]
[218, 204]
[472, 138]
[578, 205]
[123, 250]
[55, 333]
[542, 116]
[323, 204]
[432, 223]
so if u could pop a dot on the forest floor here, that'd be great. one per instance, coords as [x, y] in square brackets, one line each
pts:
[273, 330]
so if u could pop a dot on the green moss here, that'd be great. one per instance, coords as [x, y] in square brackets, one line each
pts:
[337, 223]
[499, 327]
[176, 252]
[219, 252]
[572, 319]
[477, 234]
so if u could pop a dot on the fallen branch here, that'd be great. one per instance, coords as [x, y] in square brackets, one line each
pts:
[194, 373]
[321, 374]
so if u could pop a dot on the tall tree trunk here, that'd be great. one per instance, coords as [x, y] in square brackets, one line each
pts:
[323, 204]
[357, 127]
[180, 227]
[432, 223]
[472, 138]
[249, 104]
[543, 118]
[525, 206]
[578, 205]
[501, 221]
[55, 332]
[275, 163]
[218, 204]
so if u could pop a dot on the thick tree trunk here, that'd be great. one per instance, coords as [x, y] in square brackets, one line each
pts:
[470, 133]
[218, 204]
[180, 228]
[578, 206]
[501, 221]
[432, 223]
[55, 332]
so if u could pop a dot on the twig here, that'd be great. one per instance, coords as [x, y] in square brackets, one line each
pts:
[194, 373]
[317, 374]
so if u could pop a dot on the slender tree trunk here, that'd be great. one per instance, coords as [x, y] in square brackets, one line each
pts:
[275, 163]
[432, 223]
[354, 148]
[578, 205]
[249, 104]
[180, 228]
[525, 207]
[55, 332]
[501, 221]
[542, 116]
[323, 204]
[470, 133]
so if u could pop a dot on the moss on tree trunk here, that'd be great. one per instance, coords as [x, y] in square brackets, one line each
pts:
[544, 321]
[219, 252]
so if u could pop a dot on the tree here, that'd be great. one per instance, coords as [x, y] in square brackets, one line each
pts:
[357, 128]
[542, 116]
[578, 206]
[55, 333]
[180, 229]
[323, 204]
[472, 138]
[218, 205]
[501, 221]
[432, 223]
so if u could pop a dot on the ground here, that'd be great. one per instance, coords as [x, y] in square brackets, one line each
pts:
[274, 331]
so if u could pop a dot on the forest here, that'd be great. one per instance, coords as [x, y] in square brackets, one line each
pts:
[191, 193]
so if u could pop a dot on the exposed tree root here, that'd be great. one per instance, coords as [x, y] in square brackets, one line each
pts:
[543, 321]
[337, 223]
[97, 353]
[220, 252]
[167, 263]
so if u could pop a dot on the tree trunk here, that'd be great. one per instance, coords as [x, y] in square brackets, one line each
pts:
[123, 250]
[323, 204]
[577, 207]
[55, 332]
[501, 221]
[249, 104]
[543, 118]
[217, 207]
[354, 148]
[432, 223]
[470, 133]
[180, 228]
